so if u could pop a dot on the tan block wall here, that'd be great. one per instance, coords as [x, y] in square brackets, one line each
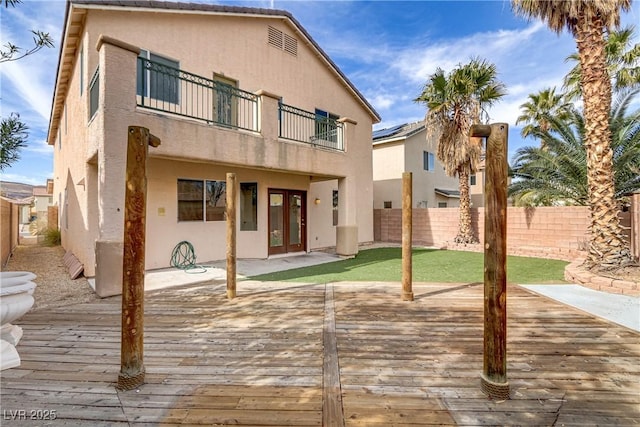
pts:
[8, 230]
[52, 217]
[554, 232]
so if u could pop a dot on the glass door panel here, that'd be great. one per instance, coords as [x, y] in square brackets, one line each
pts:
[296, 222]
[276, 223]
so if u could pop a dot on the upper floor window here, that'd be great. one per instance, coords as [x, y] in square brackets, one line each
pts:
[94, 93]
[472, 179]
[158, 79]
[429, 161]
[81, 70]
[326, 126]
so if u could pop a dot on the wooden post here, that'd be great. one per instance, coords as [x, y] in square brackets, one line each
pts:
[407, 242]
[131, 350]
[231, 235]
[494, 375]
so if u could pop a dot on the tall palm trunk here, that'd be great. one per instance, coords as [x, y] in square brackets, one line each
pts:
[465, 231]
[607, 246]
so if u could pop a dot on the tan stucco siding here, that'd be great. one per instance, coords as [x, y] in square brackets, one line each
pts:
[391, 159]
[425, 182]
[90, 165]
[235, 47]
[164, 230]
[72, 183]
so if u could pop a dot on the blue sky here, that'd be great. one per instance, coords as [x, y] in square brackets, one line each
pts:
[387, 49]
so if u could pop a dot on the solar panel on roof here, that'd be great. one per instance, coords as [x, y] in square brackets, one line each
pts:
[383, 133]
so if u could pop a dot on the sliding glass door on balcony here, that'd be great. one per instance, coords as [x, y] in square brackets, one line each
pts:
[162, 86]
[225, 105]
[287, 221]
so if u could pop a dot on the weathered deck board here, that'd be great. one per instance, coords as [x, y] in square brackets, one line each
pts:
[275, 355]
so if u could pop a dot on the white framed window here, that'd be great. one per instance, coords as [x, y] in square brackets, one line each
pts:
[429, 161]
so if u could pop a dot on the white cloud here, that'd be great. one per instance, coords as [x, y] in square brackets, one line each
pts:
[39, 146]
[33, 92]
[383, 102]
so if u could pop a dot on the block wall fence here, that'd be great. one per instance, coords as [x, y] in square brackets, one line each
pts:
[9, 215]
[547, 232]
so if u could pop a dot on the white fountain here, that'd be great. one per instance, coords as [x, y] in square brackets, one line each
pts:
[16, 299]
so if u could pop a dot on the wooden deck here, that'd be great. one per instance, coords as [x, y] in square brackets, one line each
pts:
[349, 354]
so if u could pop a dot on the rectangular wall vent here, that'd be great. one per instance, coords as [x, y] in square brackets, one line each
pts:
[275, 37]
[290, 45]
[283, 41]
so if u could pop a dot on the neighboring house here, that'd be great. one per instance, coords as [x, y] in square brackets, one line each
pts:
[476, 187]
[225, 89]
[405, 148]
[42, 199]
[21, 195]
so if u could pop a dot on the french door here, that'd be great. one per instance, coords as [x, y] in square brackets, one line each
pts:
[287, 221]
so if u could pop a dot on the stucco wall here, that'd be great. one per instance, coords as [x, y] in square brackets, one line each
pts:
[559, 232]
[89, 152]
[164, 231]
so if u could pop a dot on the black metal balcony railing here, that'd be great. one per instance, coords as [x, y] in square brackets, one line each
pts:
[164, 88]
[171, 90]
[305, 126]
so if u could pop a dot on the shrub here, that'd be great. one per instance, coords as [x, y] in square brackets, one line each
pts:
[52, 236]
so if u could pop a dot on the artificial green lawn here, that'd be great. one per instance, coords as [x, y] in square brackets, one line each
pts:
[429, 265]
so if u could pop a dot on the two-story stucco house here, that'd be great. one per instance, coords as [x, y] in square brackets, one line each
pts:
[225, 89]
[405, 148]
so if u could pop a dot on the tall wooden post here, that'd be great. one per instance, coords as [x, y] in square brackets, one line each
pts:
[231, 235]
[494, 375]
[407, 241]
[132, 340]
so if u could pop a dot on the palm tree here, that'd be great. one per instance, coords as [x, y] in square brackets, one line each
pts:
[455, 101]
[588, 20]
[546, 102]
[557, 175]
[623, 63]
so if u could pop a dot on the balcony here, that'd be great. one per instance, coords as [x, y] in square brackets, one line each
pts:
[174, 91]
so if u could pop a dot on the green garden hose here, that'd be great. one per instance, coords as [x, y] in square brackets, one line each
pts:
[183, 257]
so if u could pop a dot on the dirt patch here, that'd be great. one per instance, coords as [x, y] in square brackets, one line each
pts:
[55, 288]
[629, 273]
